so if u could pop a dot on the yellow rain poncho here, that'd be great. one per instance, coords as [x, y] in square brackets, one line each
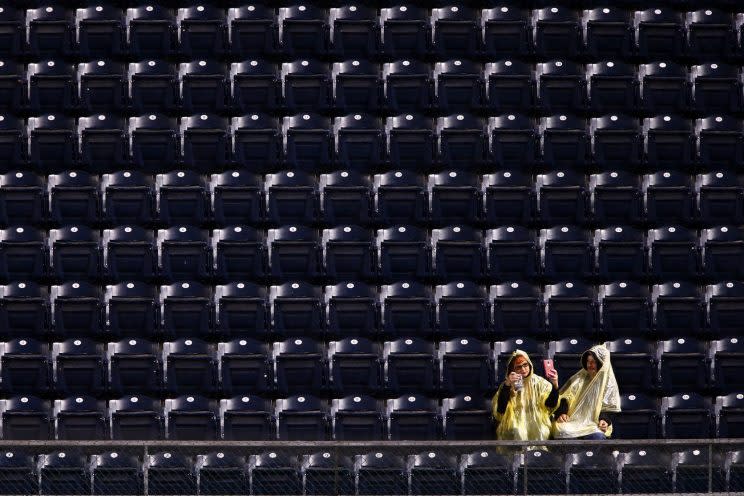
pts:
[587, 397]
[526, 417]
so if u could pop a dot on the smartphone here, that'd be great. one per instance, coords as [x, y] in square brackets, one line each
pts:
[548, 367]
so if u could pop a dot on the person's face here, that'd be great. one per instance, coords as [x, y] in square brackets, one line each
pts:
[522, 366]
[591, 366]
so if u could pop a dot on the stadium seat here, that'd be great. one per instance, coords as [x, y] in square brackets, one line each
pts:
[300, 367]
[678, 310]
[252, 31]
[202, 86]
[306, 86]
[346, 198]
[254, 86]
[413, 417]
[625, 310]
[153, 142]
[185, 310]
[295, 252]
[720, 142]
[513, 143]
[129, 254]
[183, 254]
[454, 31]
[660, 33]
[153, 87]
[221, 474]
[664, 87]
[357, 418]
[245, 366]
[19, 472]
[608, 33]
[15, 146]
[51, 87]
[645, 469]
[64, 473]
[506, 31]
[301, 418]
[669, 198]
[590, 471]
[22, 198]
[462, 310]
[73, 198]
[275, 473]
[80, 418]
[669, 142]
[510, 84]
[151, 31]
[684, 365]
[461, 142]
[303, 30]
[201, 31]
[616, 143]
[458, 253]
[615, 199]
[728, 412]
[349, 254]
[721, 253]
[716, 87]
[170, 473]
[26, 367]
[246, 417]
[26, 418]
[710, 34]
[727, 355]
[517, 310]
[136, 418]
[241, 310]
[465, 417]
[127, 198]
[567, 354]
[354, 31]
[640, 419]
[77, 310]
[565, 142]
[458, 84]
[636, 364]
[238, 253]
[292, 196]
[411, 141]
[102, 87]
[509, 198]
[561, 87]
[621, 253]
[116, 472]
[102, 142]
[359, 143]
[467, 366]
[51, 142]
[24, 310]
[612, 87]
[23, 254]
[79, 367]
[191, 418]
[571, 309]
[189, 366]
[562, 197]
[687, 415]
[131, 310]
[454, 197]
[408, 88]
[406, 31]
[355, 366]
[379, 473]
[400, 198]
[541, 471]
[433, 473]
[297, 310]
[12, 90]
[237, 198]
[404, 252]
[75, 253]
[695, 469]
[723, 302]
[100, 32]
[410, 366]
[324, 474]
[352, 309]
[13, 23]
[134, 367]
[204, 142]
[486, 472]
[557, 32]
[407, 310]
[673, 253]
[566, 253]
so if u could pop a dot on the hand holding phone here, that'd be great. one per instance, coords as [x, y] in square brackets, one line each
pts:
[550, 371]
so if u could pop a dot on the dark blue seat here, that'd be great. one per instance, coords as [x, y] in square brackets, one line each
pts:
[660, 33]
[136, 418]
[640, 418]
[413, 417]
[182, 198]
[615, 199]
[19, 472]
[571, 309]
[297, 310]
[727, 356]
[407, 310]
[354, 31]
[292, 197]
[719, 142]
[513, 143]
[204, 142]
[252, 30]
[51, 142]
[295, 252]
[237, 198]
[565, 142]
[129, 254]
[433, 473]
[355, 366]
[518, 309]
[202, 86]
[347, 198]
[458, 253]
[408, 86]
[303, 31]
[153, 142]
[359, 142]
[674, 253]
[620, 253]
[77, 310]
[79, 367]
[116, 472]
[191, 418]
[507, 31]
[711, 34]
[239, 253]
[379, 473]
[406, 31]
[508, 198]
[75, 253]
[128, 198]
[728, 411]
[351, 309]
[300, 367]
[462, 309]
[562, 198]
[246, 418]
[687, 415]
[245, 366]
[349, 253]
[131, 310]
[12, 42]
[26, 367]
[664, 87]
[636, 363]
[186, 310]
[134, 366]
[202, 31]
[170, 473]
[255, 86]
[723, 308]
[80, 418]
[24, 310]
[458, 84]
[541, 471]
[616, 143]
[567, 253]
[306, 86]
[716, 88]
[256, 141]
[404, 252]
[721, 253]
[678, 310]
[648, 468]
[557, 32]
[73, 198]
[454, 197]
[102, 87]
[22, 198]
[241, 310]
[64, 473]
[454, 31]
[26, 418]
[561, 87]
[12, 90]
[275, 473]
[410, 366]
[510, 84]
[151, 31]
[301, 418]
[153, 85]
[486, 472]
[613, 87]
[183, 254]
[719, 198]
[669, 142]
[189, 366]
[102, 142]
[684, 365]
[357, 418]
[323, 473]
[400, 198]
[100, 32]
[695, 469]
[590, 471]
[410, 141]
[466, 417]
[669, 198]
[51, 87]
[218, 473]
[23, 254]
[625, 310]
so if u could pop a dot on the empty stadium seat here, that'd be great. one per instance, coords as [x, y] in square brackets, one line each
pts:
[153, 142]
[202, 86]
[221, 474]
[74, 253]
[506, 31]
[190, 418]
[245, 366]
[255, 86]
[593, 471]
[557, 32]
[354, 31]
[349, 253]
[129, 254]
[246, 417]
[295, 252]
[355, 366]
[400, 198]
[252, 30]
[466, 417]
[571, 309]
[241, 310]
[612, 87]
[102, 142]
[26, 418]
[296, 310]
[136, 417]
[561, 87]
[541, 470]
[616, 198]
[152, 87]
[183, 254]
[134, 367]
[625, 310]
[727, 354]
[51, 142]
[204, 142]
[303, 30]
[301, 418]
[181, 198]
[648, 468]
[664, 87]
[51, 87]
[410, 366]
[26, 367]
[454, 31]
[307, 141]
[461, 142]
[351, 309]
[291, 197]
[300, 367]
[509, 198]
[189, 366]
[565, 142]
[79, 418]
[721, 253]
[185, 310]
[64, 473]
[710, 34]
[487, 471]
[454, 197]
[114, 471]
[79, 367]
[722, 308]
[640, 418]
[510, 85]
[660, 33]
[518, 310]
[406, 31]
[673, 253]
[403, 252]
[201, 31]
[462, 310]
[566, 253]
[357, 418]
[616, 143]
[669, 198]
[359, 143]
[413, 417]
[687, 415]
[719, 142]
[411, 141]
[458, 84]
[346, 198]
[513, 143]
[237, 198]
[22, 198]
[77, 310]
[169, 473]
[100, 32]
[23, 254]
[684, 365]
[20, 472]
[275, 473]
[716, 87]
[433, 473]
[678, 309]
[407, 310]
[151, 31]
[728, 412]
[127, 198]
[695, 470]
[458, 253]
[102, 87]
[131, 310]
[14, 29]
[380, 473]
[620, 253]
[306, 86]
[669, 142]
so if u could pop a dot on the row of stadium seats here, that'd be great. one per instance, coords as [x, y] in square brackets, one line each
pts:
[307, 142]
[241, 198]
[190, 310]
[306, 417]
[308, 85]
[360, 30]
[354, 253]
[348, 366]
[647, 469]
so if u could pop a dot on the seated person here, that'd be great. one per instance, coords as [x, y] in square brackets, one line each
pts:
[588, 399]
[524, 401]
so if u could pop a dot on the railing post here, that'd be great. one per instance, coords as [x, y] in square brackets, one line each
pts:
[145, 477]
[710, 466]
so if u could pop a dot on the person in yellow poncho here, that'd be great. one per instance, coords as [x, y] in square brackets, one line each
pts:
[589, 399]
[523, 412]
